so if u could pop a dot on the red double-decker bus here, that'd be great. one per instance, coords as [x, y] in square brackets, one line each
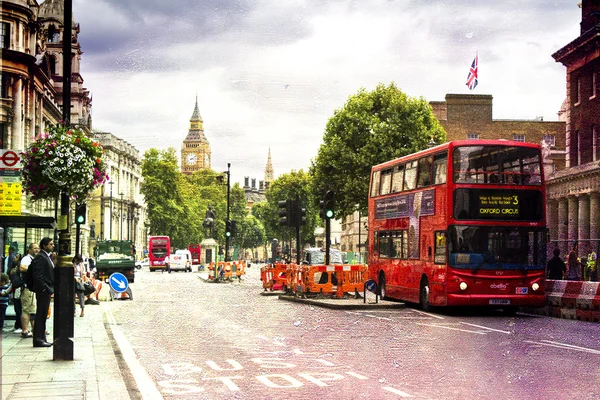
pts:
[196, 251]
[159, 247]
[460, 224]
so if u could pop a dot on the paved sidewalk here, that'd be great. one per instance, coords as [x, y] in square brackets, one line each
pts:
[94, 373]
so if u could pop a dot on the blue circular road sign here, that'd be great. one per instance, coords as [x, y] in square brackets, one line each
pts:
[118, 282]
[371, 285]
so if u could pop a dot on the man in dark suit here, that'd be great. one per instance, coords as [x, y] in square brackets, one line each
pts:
[43, 277]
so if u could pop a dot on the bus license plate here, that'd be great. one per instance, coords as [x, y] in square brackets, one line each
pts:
[521, 290]
[502, 302]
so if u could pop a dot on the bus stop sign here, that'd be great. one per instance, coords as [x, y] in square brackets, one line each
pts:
[118, 282]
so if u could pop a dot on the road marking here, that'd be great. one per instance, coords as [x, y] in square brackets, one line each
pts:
[396, 391]
[486, 328]
[325, 362]
[453, 329]
[145, 384]
[428, 314]
[298, 351]
[354, 374]
[564, 346]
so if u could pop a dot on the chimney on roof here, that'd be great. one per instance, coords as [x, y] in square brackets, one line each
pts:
[590, 14]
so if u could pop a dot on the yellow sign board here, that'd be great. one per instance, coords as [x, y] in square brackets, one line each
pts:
[10, 198]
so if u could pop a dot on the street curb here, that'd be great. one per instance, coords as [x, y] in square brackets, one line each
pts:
[356, 305]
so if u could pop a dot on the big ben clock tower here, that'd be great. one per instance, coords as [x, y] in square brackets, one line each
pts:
[195, 151]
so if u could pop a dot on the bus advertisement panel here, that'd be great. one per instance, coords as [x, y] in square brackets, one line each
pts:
[196, 251]
[159, 247]
[460, 224]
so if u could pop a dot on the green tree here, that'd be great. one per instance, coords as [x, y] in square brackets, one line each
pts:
[371, 128]
[251, 234]
[164, 204]
[288, 186]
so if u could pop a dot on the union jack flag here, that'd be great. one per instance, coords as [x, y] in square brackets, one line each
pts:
[472, 77]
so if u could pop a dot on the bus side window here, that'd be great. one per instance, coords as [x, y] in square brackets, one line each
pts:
[375, 183]
[398, 178]
[425, 166]
[410, 176]
[440, 167]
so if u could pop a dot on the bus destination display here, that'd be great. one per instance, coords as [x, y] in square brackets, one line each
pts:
[498, 204]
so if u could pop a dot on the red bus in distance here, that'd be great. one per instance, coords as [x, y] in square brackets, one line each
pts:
[196, 251]
[460, 224]
[159, 247]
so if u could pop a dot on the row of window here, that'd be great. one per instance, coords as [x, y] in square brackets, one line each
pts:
[426, 171]
[517, 137]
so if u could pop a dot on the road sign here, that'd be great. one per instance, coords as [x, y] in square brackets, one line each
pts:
[118, 282]
[9, 159]
[371, 285]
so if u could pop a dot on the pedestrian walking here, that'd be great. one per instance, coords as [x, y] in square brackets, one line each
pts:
[27, 296]
[15, 275]
[4, 288]
[43, 276]
[574, 270]
[556, 266]
[79, 272]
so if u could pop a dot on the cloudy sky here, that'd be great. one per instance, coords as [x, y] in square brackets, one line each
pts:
[270, 73]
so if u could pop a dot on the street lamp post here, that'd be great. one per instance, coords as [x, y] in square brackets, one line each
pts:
[111, 215]
[228, 192]
[121, 217]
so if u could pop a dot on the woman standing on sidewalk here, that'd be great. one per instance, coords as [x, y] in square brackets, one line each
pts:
[78, 269]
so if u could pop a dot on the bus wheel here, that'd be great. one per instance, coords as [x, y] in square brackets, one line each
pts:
[382, 285]
[424, 295]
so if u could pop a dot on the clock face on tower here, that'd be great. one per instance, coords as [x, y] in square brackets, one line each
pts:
[206, 159]
[191, 159]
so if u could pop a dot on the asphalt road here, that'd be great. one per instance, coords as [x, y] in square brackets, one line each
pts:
[186, 338]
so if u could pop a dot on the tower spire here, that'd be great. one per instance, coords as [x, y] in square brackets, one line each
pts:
[269, 170]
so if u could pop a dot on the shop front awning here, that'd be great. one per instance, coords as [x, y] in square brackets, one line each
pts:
[27, 221]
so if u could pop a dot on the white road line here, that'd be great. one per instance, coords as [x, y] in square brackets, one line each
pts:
[564, 346]
[428, 314]
[325, 362]
[485, 327]
[354, 374]
[145, 384]
[450, 328]
[298, 351]
[396, 391]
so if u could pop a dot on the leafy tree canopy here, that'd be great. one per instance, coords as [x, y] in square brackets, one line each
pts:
[371, 128]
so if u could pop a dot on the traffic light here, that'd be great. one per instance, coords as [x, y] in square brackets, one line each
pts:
[329, 205]
[233, 228]
[284, 212]
[301, 215]
[80, 211]
[228, 228]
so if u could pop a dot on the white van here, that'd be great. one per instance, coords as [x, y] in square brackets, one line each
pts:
[184, 259]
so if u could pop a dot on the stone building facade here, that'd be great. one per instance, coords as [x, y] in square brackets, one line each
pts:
[31, 88]
[117, 209]
[31, 96]
[574, 193]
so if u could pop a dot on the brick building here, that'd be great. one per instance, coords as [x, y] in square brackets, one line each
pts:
[574, 193]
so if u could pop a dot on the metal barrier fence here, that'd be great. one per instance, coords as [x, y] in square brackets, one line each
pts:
[315, 279]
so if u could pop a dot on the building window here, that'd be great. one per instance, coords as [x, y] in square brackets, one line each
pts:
[595, 143]
[594, 75]
[3, 86]
[577, 96]
[472, 136]
[517, 137]
[5, 35]
[550, 140]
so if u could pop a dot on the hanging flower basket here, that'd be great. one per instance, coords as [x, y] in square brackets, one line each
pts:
[63, 159]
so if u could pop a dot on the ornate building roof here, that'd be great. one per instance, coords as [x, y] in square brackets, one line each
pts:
[196, 132]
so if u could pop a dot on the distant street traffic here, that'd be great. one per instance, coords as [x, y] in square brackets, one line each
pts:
[185, 338]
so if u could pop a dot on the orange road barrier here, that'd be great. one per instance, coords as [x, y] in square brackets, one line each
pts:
[274, 277]
[211, 271]
[324, 278]
[240, 268]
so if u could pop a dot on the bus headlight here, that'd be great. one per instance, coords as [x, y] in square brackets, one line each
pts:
[463, 286]
[535, 286]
